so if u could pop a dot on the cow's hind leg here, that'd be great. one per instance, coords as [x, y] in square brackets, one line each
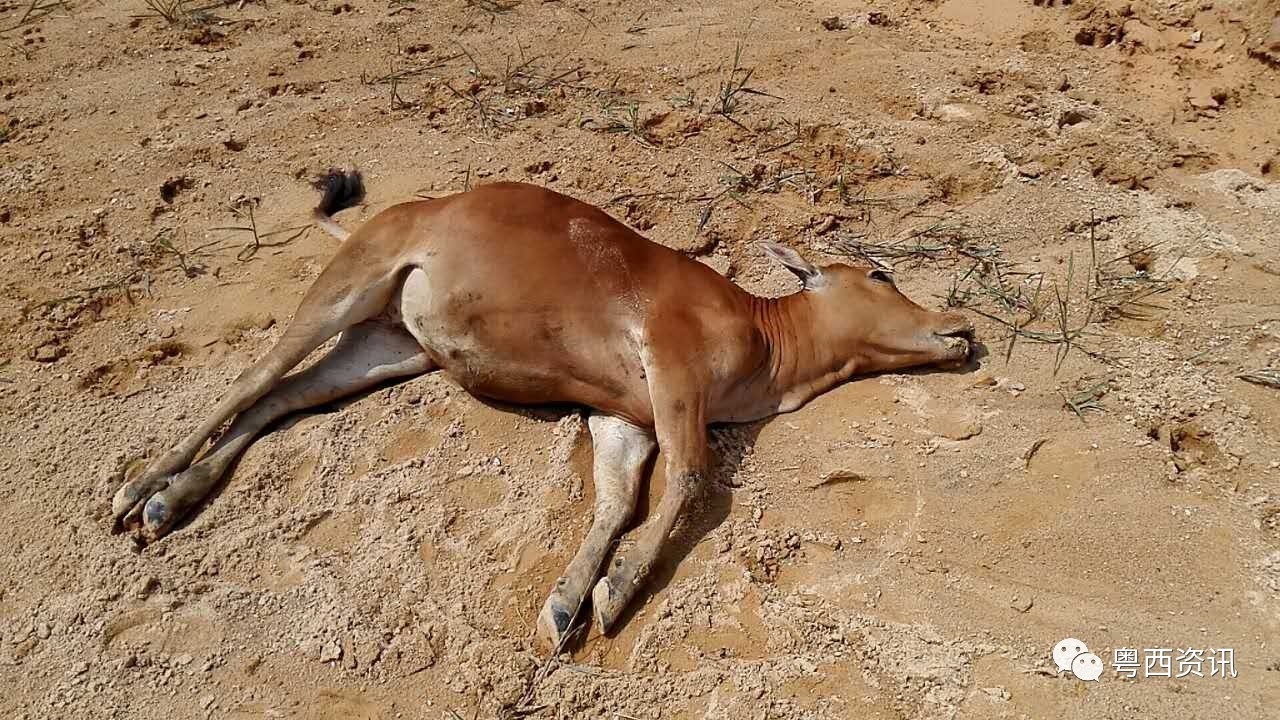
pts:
[621, 451]
[354, 287]
[365, 355]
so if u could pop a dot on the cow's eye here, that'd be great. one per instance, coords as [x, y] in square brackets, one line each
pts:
[880, 276]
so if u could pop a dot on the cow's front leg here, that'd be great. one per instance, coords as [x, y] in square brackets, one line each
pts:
[680, 424]
[621, 451]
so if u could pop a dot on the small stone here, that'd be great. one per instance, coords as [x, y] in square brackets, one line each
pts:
[722, 264]
[956, 112]
[539, 167]
[1022, 604]
[825, 225]
[183, 660]
[1138, 34]
[1072, 117]
[997, 694]
[145, 585]
[1204, 96]
[43, 631]
[331, 651]
[170, 188]
[984, 379]
[1271, 43]
[1031, 170]
[367, 653]
[1010, 385]
[47, 353]
[536, 107]
[955, 428]
[834, 477]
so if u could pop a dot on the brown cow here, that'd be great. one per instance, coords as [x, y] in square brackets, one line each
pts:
[527, 296]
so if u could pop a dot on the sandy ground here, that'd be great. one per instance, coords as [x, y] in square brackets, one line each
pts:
[1103, 176]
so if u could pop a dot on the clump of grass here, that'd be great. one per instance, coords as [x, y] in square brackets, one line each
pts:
[942, 240]
[733, 86]
[627, 120]
[185, 12]
[171, 11]
[730, 92]
[1107, 294]
[763, 180]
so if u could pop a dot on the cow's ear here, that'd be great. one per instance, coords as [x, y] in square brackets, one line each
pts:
[809, 275]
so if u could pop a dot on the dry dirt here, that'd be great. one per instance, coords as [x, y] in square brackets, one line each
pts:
[385, 558]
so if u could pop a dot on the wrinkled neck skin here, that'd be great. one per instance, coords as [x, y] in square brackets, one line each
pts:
[802, 361]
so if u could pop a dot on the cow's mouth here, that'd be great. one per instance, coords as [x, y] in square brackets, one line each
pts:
[957, 342]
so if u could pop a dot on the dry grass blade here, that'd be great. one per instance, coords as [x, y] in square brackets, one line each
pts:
[941, 241]
[1087, 399]
[482, 111]
[244, 208]
[123, 283]
[1031, 451]
[34, 12]
[398, 75]
[166, 246]
[1269, 377]
[523, 707]
[493, 7]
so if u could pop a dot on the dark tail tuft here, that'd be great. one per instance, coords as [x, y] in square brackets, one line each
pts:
[339, 190]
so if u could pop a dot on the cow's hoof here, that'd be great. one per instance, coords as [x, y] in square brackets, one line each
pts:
[129, 505]
[554, 620]
[607, 604]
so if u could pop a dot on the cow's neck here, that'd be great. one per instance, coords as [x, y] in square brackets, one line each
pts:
[799, 364]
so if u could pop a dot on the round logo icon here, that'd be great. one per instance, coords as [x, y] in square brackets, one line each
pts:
[1087, 666]
[1066, 651]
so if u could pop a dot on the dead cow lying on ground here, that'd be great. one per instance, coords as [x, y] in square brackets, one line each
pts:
[528, 296]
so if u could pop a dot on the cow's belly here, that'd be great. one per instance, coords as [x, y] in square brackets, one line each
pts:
[525, 352]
